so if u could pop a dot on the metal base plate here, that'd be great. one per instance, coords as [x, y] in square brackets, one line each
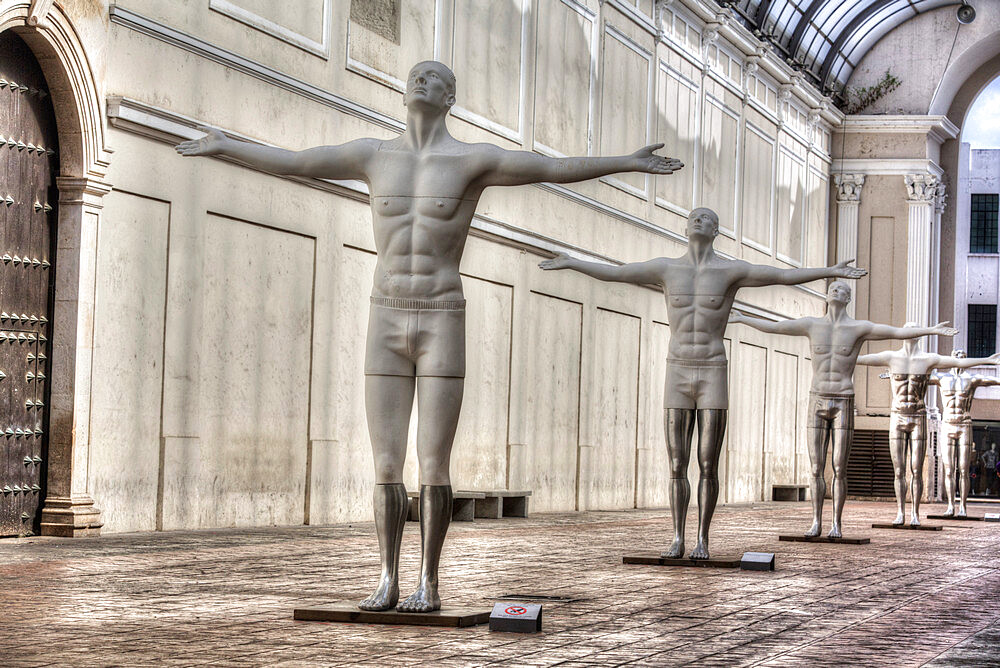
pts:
[826, 539]
[347, 611]
[919, 527]
[955, 517]
[652, 559]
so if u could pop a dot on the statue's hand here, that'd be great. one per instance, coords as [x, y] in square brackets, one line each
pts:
[943, 329]
[735, 316]
[844, 271]
[884, 375]
[560, 261]
[211, 144]
[994, 358]
[647, 161]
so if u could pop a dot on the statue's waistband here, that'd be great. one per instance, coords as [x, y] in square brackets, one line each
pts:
[697, 363]
[419, 304]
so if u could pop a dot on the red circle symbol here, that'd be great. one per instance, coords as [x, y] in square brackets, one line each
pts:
[515, 610]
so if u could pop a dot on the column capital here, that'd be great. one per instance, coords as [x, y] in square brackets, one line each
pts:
[940, 199]
[922, 188]
[849, 187]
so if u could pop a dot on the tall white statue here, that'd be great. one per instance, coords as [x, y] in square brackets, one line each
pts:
[424, 188]
[958, 387]
[835, 341]
[699, 288]
[910, 373]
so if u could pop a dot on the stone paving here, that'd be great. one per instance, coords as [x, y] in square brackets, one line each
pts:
[909, 598]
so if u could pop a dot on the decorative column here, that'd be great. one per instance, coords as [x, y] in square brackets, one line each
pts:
[921, 193]
[848, 200]
[68, 509]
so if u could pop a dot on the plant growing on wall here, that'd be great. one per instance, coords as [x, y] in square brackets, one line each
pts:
[856, 100]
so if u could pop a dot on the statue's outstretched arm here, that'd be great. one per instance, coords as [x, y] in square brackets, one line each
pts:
[762, 274]
[797, 327]
[638, 273]
[511, 168]
[875, 359]
[879, 332]
[346, 161]
[949, 362]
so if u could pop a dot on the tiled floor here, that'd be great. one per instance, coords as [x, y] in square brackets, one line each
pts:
[226, 597]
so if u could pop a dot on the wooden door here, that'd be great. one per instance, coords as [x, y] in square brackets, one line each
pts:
[27, 224]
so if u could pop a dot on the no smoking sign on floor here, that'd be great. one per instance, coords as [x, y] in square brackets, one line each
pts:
[516, 617]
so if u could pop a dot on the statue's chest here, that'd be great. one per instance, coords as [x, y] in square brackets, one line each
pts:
[435, 176]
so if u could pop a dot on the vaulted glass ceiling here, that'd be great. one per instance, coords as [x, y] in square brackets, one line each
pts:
[827, 38]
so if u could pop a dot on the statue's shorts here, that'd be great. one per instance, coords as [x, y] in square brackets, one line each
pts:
[415, 337]
[914, 424]
[696, 384]
[831, 410]
[958, 432]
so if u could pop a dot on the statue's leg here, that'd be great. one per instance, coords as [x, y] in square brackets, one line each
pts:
[711, 432]
[949, 473]
[388, 402]
[918, 450]
[841, 451]
[964, 458]
[897, 450]
[818, 433]
[678, 423]
[439, 401]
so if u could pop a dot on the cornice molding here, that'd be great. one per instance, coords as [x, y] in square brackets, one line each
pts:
[936, 127]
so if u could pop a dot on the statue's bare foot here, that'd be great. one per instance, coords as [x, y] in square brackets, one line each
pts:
[384, 597]
[676, 550]
[425, 599]
[961, 513]
[700, 551]
[835, 532]
[899, 519]
[813, 530]
[948, 513]
[914, 521]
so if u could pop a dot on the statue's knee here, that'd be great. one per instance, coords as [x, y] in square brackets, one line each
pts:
[678, 468]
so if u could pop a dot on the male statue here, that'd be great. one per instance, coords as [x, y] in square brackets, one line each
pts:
[957, 390]
[699, 288]
[424, 187]
[835, 341]
[910, 370]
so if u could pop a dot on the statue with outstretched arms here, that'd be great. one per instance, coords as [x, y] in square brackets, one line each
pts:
[835, 340]
[424, 188]
[910, 373]
[699, 288]
[958, 387]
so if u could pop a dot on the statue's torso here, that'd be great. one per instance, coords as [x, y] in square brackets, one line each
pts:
[699, 299]
[957, 392]
[908, 391]
[422, 204]
[835, 347]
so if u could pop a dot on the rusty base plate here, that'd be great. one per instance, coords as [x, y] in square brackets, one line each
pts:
[348, 611]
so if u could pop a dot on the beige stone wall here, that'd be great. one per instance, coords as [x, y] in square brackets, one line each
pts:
[232, 305]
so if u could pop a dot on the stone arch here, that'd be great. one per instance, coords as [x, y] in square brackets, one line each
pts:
[51, 34]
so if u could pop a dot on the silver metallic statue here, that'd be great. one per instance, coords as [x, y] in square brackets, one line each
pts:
[699, 288]
[424, 188]
[910, 370]
[835, 341]
[955, 434]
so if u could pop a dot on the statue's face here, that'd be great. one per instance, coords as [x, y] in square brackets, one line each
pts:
[704, 223]
[839, 292]
[430, 84]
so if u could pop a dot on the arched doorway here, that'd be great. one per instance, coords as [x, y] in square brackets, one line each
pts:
[27, 234]
[62, 505]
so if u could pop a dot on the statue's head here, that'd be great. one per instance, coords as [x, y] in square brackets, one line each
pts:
[703, 222]
[910, 344]
[430, 84]
[839, 292]
[959, 353]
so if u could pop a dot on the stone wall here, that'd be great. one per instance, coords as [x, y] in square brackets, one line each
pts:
[232, 304]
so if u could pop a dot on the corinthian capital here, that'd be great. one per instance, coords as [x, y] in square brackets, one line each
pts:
[922, 187]
[849, 187]
[939, 200]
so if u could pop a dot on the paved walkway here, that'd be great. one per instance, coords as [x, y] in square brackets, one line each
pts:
[226, 597]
